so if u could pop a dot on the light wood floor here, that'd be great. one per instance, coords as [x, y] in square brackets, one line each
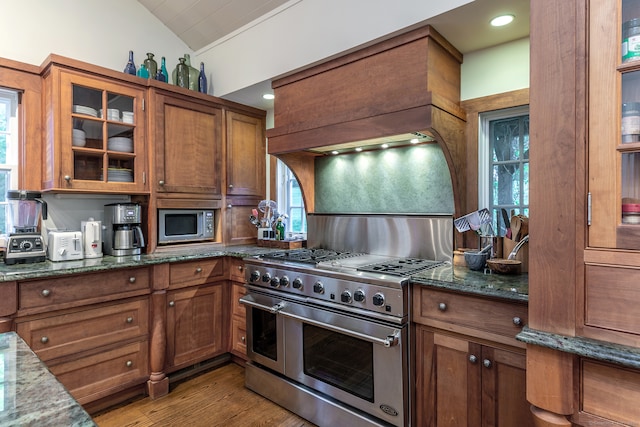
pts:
[215, 398]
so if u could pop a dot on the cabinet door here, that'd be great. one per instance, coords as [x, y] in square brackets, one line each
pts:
[246, 155]
[195, 325]
[187, 137]
[238, 229]
[95, 137]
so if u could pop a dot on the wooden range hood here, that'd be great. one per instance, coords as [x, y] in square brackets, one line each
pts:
[409, 83]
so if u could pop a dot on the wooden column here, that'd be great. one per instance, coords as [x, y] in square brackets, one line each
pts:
[158, 384]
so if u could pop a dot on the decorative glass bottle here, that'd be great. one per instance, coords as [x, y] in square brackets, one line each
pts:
[193, 73]
[163, 70]
[202, 80]
[130, 68]
[182, 74]
[152, 65]
[143, 72]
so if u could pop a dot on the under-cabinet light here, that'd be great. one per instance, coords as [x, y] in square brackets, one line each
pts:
[502, 20]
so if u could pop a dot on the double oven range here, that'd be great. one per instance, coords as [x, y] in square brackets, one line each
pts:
[328, 334]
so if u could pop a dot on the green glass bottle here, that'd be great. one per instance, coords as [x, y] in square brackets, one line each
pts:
[279, 230]
[182, 74]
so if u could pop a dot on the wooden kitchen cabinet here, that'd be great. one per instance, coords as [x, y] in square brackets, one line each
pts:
[246, 155]
[470, 370]
[187, 144]
[238, 333]
[110, 153]
[196, 321]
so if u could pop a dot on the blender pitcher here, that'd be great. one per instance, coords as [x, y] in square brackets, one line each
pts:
[25, 207]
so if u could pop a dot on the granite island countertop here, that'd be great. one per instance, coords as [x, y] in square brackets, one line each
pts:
[30, 395]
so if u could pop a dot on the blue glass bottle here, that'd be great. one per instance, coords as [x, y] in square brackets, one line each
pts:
[130, 68]
[202, 80]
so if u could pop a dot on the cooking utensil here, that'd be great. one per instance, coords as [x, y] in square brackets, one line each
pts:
[507, 223]
[472, 221]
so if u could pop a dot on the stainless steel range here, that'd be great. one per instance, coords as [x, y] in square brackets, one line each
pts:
[328, 334]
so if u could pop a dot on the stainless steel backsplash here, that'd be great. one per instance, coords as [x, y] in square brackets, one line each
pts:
[413, 236]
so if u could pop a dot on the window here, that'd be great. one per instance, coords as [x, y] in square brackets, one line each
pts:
[8, 151]
[290, 200]
[503, 167]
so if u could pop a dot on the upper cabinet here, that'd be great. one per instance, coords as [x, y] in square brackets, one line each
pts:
[94, 133]
[187, 144]
[245, 155]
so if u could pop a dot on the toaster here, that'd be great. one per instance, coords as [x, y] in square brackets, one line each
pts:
[64, 245]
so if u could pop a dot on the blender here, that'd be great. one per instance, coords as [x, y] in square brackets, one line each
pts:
[25, 244]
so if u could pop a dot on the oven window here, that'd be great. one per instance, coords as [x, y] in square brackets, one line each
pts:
[180, 224]
[340, 360]
[265, 335]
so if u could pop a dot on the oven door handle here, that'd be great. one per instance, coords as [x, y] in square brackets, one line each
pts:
[388, 341]
[251, 302]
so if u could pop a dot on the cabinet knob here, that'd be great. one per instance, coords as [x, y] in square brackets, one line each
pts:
[229, 206]
[199, 270]
[161, 182]
[67, 178]
[442, 306]
[487, 363]
[240, 267]
[243, 339]
[473, 359]
[45, 292]
[230, 185]
[129, 363]
[129, 319]
[172, 303]
[44, 340]
[132, 279]
[517, 321]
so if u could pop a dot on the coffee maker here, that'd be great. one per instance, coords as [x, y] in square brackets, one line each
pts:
[25, 244]
[122, 231]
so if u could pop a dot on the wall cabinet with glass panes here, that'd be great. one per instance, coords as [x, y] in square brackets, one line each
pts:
[94, 133]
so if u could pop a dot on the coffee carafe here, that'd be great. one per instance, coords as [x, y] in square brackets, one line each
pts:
[122, 231]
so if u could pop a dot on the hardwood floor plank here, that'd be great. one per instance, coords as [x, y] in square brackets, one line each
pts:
[216, 398]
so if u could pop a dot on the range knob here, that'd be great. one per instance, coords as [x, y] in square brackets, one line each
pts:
[358, 296]
[318, 287]
[345, 297]
[275, 282]
[255, 276]
[266, 277]
[378, 299]
[284, 281]
[297, 283]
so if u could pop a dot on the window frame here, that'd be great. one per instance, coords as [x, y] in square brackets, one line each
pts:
[284, 180]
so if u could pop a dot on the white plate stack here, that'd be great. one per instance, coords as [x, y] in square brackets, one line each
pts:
[112, 114]
[120, 175]
[81, 109]
[127, 116]
[119, 143]
[79, 138]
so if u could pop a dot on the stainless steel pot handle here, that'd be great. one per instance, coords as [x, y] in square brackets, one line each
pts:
[388, 341]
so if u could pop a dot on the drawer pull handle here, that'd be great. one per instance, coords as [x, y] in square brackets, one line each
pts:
[45, 292]
[229, 206]
[67, 178]
[44, 340]
[473, 359]
[199, 270]
[243, 339]
[442, 306]
[129, 363]
[129, 319]
[240, 267]
[517, 321]
[172, 303]
[487, 363]
[132, 279]
[161, 182]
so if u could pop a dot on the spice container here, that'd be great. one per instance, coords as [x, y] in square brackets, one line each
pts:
[631, 213]
[631, 40]
[631, 122]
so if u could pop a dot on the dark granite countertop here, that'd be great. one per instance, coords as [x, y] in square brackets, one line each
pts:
[600, 350]
[31, 395]
[462, 279]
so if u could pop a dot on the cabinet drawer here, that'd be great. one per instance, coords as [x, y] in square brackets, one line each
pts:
[612, 297]
[99, 375]
[239, 337]
[466, 314]
[198, 272]
[72, 333]
[235, 267]
[80, 289]
[237, 292]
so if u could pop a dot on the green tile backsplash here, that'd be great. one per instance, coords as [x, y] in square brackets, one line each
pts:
[399, 180]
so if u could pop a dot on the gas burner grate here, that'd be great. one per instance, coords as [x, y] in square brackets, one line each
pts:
[401, 267]
[309, 256]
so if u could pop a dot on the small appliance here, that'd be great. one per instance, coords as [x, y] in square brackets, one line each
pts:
[122, 231]
[185, 225]
[25, 244]
[91, 238]
[64, 245]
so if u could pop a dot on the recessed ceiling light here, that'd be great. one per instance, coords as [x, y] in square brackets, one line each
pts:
[268, 96]
[501, 20]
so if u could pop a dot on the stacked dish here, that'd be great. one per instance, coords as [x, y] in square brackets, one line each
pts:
[119, 143]
[120, 175]
[81, 109]
[112, 114]
[127, 116]
[79, 138]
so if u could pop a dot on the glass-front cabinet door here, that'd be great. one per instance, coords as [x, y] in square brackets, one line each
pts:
[97, 143]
